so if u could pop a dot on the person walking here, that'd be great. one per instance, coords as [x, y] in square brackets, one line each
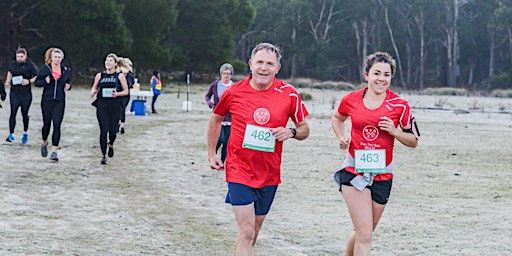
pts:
[260, 107]
[156, 87]
[55, 80]
[20, 76]
[216, 89]
[109, 87]
[125, 66]
[378, 116]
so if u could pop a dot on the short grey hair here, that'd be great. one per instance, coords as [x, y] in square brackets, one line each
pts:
[269, 47]
[226, 66]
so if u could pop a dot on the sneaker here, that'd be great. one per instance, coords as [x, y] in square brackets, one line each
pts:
[44, 150]
[122, 130]
[104, 160]
[54, 157]
[24, 139]
[110, 151]
[10, 138]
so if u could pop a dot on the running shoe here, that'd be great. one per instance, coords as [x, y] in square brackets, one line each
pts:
[54, 157]
[104, 160]
[24, 139]
[10, 138]
[44, 150]
[111, 151]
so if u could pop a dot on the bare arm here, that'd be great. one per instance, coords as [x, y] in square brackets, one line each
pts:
[338, 126]
[213, 136]
[283, 133]
[9, 78]
[94, 88]
[124, 86]
[406, 138]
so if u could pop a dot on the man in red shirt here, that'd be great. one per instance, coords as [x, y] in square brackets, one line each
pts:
[260, 106]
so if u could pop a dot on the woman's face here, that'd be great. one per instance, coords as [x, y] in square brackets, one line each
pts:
[110, 63]
[226, 75]
[379, 77]
[56, 58]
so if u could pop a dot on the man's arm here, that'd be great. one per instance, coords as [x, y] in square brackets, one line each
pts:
[213, 136]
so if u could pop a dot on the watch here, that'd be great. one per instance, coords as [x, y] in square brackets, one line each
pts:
[294, 132]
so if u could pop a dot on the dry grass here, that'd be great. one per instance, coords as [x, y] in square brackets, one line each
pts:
[157, 196]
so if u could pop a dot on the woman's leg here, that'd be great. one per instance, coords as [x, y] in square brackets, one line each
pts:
[365, 215]
[57, 116]
[103, 119]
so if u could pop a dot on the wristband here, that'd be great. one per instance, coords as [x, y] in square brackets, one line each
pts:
[294, 132]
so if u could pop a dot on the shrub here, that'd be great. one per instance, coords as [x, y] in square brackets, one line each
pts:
[446, 91]
[305, 96]
[501, 93]
[332, 85]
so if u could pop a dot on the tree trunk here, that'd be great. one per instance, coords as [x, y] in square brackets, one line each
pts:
[400, 71]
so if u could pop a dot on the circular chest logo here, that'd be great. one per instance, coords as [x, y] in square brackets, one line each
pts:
[261, 116]
[370, 133]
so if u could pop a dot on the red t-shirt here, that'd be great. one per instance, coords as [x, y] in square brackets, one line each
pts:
[270, 108]
[365, 132]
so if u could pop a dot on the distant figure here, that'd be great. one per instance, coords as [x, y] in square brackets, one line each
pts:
[156, 87]
[3, 95]
[20, 76]
[125, 66]
[109, 87]
[378, 117]
[216, 89]
[261, 106]
[54, 78]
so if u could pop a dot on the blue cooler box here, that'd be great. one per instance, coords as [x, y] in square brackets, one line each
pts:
[139, 106]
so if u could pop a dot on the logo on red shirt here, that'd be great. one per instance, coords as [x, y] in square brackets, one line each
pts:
[370, 133]
[261, 116]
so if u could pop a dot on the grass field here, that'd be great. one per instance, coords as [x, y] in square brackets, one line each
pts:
[452, 195]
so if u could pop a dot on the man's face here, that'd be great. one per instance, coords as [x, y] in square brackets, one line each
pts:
[21, 58]
[264, 67]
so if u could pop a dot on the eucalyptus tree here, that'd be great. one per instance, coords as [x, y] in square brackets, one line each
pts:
[85, 30]
[205, 32]
[149, 24]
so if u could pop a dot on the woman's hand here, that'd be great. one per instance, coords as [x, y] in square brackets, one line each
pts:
[386, 124]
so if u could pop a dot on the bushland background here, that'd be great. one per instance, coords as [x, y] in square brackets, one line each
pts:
[441, 43]
[452, 195]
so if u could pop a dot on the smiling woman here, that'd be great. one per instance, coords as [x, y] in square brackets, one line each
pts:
[366, 176]
[109, 87]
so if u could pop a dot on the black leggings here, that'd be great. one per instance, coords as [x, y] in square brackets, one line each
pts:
[19, 100]
[53, 111]
[225, 132]
[108, 112]
[124, 101]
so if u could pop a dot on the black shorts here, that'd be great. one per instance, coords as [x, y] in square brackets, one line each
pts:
[380, 189]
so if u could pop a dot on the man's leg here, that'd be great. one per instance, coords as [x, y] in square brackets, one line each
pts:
[248, 227]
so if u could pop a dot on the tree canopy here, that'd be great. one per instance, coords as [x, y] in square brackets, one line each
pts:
[456, 43]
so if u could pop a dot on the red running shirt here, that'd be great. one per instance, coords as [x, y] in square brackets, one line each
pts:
[270, 108]
[365, 132]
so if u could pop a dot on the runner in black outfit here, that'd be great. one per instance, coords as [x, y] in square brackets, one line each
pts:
[20, 76]
[55, 79]
[109, 87]
[125, 66]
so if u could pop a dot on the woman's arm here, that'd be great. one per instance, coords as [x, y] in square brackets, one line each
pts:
[94, 89]
[338, 126]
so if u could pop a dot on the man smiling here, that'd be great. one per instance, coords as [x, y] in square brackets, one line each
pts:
[260, 106]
